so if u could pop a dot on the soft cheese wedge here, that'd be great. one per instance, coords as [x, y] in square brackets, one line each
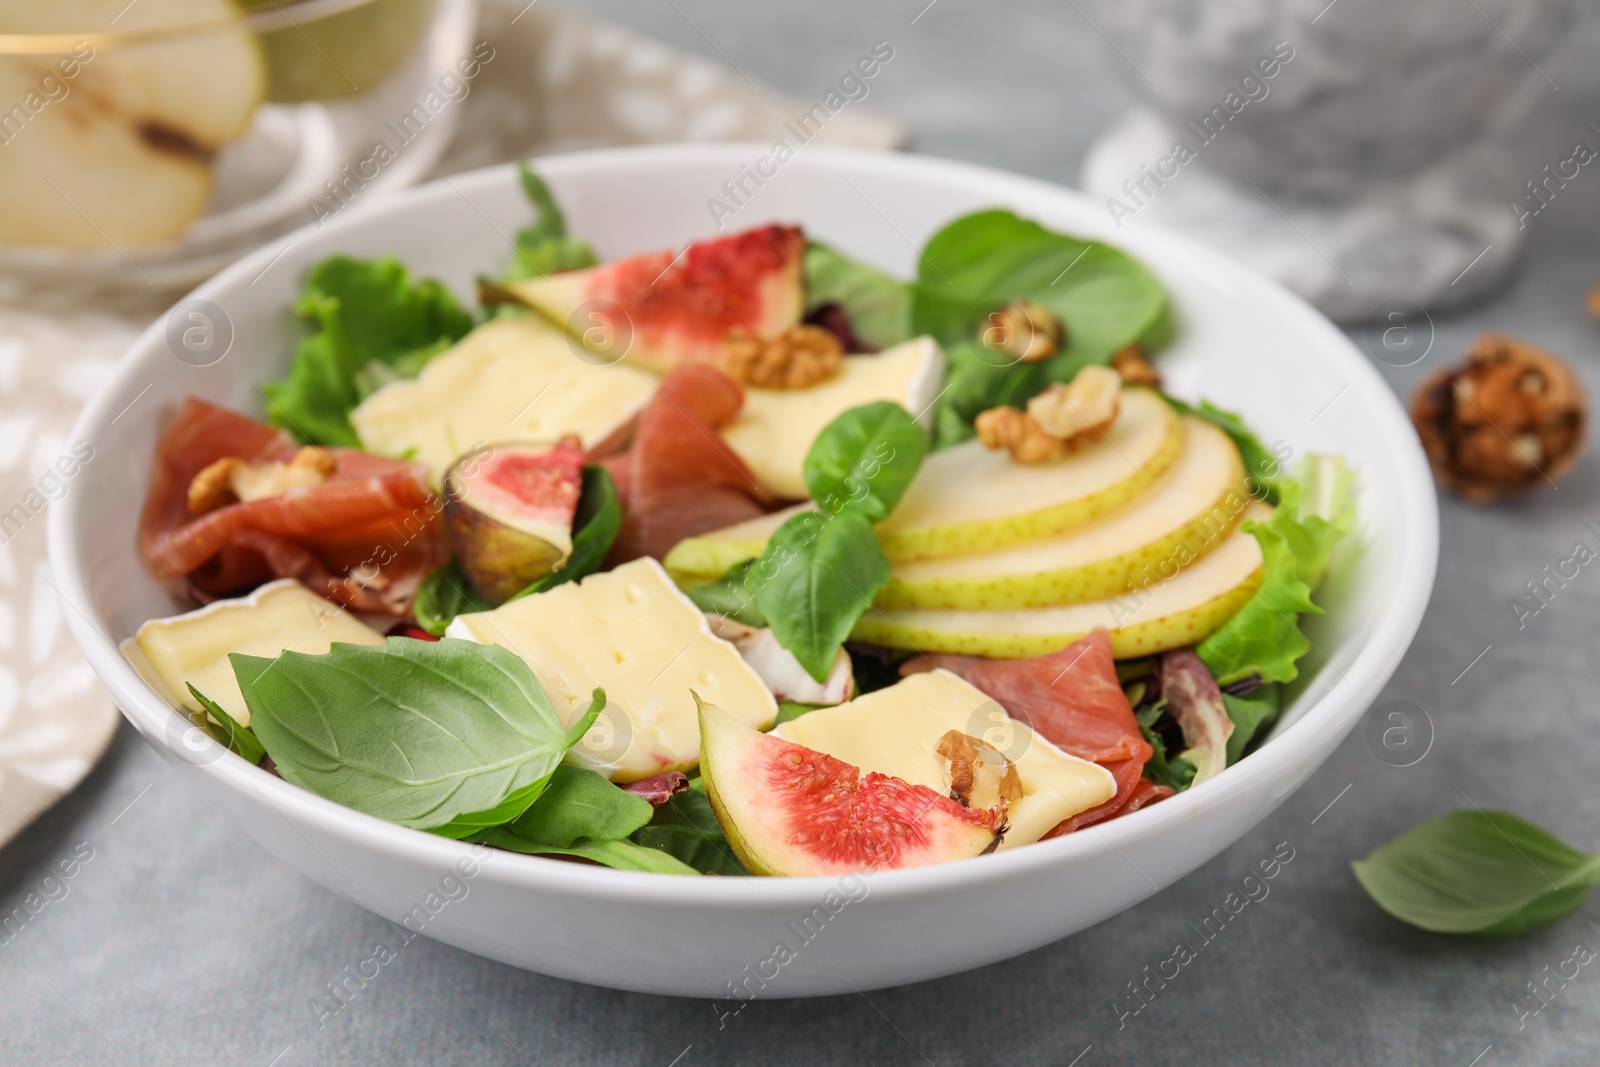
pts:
[1168, 613]
[970, 498]
[281, 616]
[515, 380]
[630, 632]
[896, 731]
[775, 428]
[1187, 512]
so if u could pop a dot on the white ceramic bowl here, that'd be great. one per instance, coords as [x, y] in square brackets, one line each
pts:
[1243, 342]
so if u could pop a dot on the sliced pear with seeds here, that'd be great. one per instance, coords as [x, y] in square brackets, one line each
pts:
[120, 153]
[971, 499]
[1170, 613]
[706, 557]
[1194, 504]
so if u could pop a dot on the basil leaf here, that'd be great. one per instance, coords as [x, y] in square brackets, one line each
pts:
[580, 803]
[864, 459]
[369, 315]
[816, 576]
[730, 595]
[543, 247]
[448, 736]
[686, 828]
[595, 527]
[1106, 298]
[1477, 872]
[240, 741]
[442, 596]
[878, 306]
[622, 855]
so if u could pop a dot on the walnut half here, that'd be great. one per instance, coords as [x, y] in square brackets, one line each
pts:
[980, 775]
[231, 480]
[799, 357]
[1058, 420]
[1510, 420]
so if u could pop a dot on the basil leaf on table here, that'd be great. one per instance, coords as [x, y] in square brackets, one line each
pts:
[686, 828]
[865, 459]
[595, 526]
[442, 596]
[240, 741]
[877, 305]
[543, 247]
[372, 319]
[816, 577]
[447, 736]
[1477, 872]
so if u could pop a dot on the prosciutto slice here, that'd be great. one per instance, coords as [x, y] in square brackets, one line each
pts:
[365, 537]
[679, 478]
[1074, 701]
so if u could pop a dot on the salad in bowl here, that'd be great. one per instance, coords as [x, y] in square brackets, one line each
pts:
[738, 558]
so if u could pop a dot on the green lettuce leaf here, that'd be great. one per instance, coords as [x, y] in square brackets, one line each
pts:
[373, 324]
[1251, 715]
[1264, 638]
[543, 246]
[878, 306]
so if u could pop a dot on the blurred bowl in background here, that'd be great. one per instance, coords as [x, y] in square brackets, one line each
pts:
[147, 144]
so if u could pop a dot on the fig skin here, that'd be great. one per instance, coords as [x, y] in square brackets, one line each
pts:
[498, 558]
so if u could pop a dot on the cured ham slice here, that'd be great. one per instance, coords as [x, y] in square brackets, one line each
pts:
[1073, 699]
[679, 478]
[366, 536]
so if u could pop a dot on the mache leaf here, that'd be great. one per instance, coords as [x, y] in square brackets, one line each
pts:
[373, 322]
[878, 306]
[1477, 872]
[448, 736]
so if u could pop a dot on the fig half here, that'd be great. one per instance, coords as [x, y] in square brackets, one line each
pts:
[509, 510]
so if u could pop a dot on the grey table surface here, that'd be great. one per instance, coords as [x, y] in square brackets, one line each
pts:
[182, 942]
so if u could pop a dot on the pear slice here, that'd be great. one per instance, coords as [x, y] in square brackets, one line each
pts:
[775, 428]
[1171, 613]
[707, 557]
[510, 380]
[115, 147]
[971, 499]
[1189, 509]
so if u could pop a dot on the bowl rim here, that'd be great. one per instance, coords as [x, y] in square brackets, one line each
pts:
[1292, 746]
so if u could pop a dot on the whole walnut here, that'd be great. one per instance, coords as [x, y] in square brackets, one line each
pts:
[1511, 419]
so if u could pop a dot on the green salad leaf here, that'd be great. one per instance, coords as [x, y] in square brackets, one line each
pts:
[543, 246]
[686, 828]
[1106, 298]
[1266, 474]
[864, 460]
[448, 736]
[240, 741]
[1478, 872]
[731, 595]
[442, 596]
[1174, 772]
[878, 306]
[789, 710]
[816, 576]
[581, 814]
[1251, 715]
[1263, 638]
[595, 526]
[373, 323]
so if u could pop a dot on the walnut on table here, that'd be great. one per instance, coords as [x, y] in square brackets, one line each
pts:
[1511, 419]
